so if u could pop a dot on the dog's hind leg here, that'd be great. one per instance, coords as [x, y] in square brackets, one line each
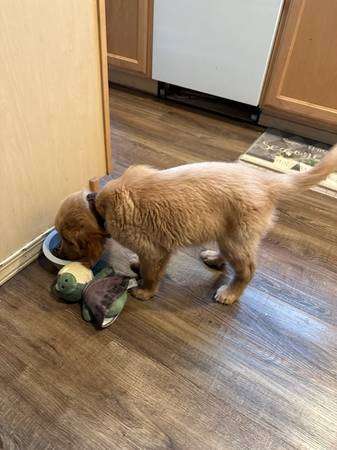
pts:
[135, 264]
[213, 259]
[240, 253]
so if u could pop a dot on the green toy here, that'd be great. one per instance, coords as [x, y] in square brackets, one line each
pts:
[102, 292]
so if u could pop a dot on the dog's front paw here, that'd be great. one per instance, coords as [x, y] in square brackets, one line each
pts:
[141, 294]
[225, 296]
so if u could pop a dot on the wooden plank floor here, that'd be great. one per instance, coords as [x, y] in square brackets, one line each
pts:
[181, 371]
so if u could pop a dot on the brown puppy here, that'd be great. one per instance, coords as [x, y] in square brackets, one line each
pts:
[154, 212]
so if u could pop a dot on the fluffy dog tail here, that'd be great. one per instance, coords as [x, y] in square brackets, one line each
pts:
[297, 182]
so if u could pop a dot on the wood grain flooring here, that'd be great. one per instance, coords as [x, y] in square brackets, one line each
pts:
[182, 372]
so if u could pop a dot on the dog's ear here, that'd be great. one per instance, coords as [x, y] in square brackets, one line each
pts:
[91, 245]
[82, 238]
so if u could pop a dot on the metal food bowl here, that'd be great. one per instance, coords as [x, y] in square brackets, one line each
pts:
[51, 242]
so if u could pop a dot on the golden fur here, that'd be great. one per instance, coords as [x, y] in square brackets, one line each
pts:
[154, 212]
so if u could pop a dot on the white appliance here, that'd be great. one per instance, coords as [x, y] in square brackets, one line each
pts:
[218, 47]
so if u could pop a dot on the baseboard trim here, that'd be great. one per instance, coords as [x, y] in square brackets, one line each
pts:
[21, 258]
[318, 134]
[133, 81]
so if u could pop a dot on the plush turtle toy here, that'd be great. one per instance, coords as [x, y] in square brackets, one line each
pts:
[102, 292]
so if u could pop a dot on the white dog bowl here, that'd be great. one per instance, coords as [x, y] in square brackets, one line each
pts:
[50, 243]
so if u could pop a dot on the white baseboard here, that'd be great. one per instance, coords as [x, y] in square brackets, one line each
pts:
[21, 258]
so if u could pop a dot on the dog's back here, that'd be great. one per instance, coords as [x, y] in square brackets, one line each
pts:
[186, 205]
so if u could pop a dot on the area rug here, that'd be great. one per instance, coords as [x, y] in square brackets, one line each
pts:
[284, 152]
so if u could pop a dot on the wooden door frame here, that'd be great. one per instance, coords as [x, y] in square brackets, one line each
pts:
[104, 82]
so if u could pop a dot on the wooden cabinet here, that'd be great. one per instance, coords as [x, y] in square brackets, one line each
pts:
[54, 113]
[302, 83]
[129, 34]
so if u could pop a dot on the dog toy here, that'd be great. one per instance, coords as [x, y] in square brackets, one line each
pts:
[102, 292]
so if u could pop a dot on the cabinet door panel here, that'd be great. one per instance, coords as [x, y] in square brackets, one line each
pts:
[129, 24]
[303, 79]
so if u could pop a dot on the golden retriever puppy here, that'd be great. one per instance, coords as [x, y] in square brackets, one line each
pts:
[154, 212]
